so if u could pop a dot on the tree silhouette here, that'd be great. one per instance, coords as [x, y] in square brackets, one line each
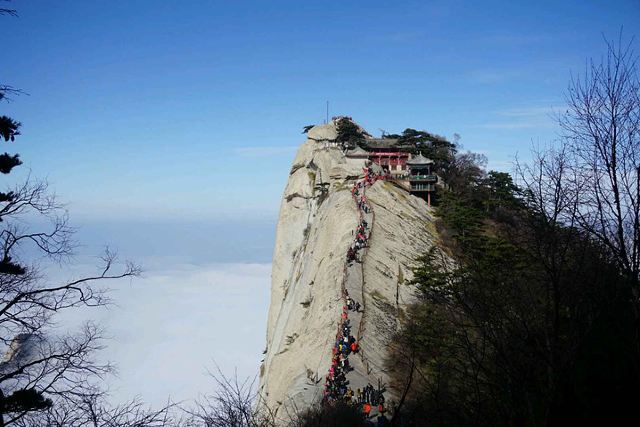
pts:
[48, 378]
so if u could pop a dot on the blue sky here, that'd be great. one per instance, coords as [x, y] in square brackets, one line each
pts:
[169, 129]
[158, 109]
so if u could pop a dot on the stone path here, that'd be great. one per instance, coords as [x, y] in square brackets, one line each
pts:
[358, 375]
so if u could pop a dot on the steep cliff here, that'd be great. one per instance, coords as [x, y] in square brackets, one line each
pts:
[318, 216]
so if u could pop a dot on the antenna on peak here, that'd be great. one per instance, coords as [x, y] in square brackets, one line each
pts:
[326, 122]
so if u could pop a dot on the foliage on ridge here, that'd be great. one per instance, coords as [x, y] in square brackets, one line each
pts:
[516, 320]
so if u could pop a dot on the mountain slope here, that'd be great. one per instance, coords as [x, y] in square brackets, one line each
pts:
[318, 216]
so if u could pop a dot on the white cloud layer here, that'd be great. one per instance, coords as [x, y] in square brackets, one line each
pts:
[172, 325]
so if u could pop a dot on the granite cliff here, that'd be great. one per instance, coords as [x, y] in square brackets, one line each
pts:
[318, 216]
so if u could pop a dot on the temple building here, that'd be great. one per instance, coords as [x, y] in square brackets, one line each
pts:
[422, 180]
[389, 154]
[413, 172]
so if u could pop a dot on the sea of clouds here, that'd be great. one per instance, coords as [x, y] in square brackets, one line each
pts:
[200, 303]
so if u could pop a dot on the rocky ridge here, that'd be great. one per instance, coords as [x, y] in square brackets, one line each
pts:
[318, 216]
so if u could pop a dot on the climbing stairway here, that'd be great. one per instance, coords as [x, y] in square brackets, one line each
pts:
[353, 285]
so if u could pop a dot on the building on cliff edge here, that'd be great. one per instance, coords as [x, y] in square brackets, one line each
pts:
[413, 172]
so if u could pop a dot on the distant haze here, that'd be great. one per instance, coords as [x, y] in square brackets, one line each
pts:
[188, 240]
[202, 301]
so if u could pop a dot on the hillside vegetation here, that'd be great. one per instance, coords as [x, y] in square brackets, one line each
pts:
[528, 309]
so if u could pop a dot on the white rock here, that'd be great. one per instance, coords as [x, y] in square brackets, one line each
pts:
[326, 132]
[313, 234]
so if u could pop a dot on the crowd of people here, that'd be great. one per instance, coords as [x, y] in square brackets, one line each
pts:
[371, 395]
[336, 385]
[361, 232]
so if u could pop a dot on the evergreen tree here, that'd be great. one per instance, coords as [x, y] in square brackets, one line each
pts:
[9, 129]
[349, 133]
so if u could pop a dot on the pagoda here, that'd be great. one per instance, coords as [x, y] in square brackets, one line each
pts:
[422, 180]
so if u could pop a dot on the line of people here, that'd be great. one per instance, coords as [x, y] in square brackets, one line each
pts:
[352, 304]
[358, 193]
[360, 242]
[371, 395]
[336, 385]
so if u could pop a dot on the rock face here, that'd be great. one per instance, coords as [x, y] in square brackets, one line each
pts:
[318, 216]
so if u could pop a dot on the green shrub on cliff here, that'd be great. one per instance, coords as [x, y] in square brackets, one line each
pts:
[522, 319]
[349, 133]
